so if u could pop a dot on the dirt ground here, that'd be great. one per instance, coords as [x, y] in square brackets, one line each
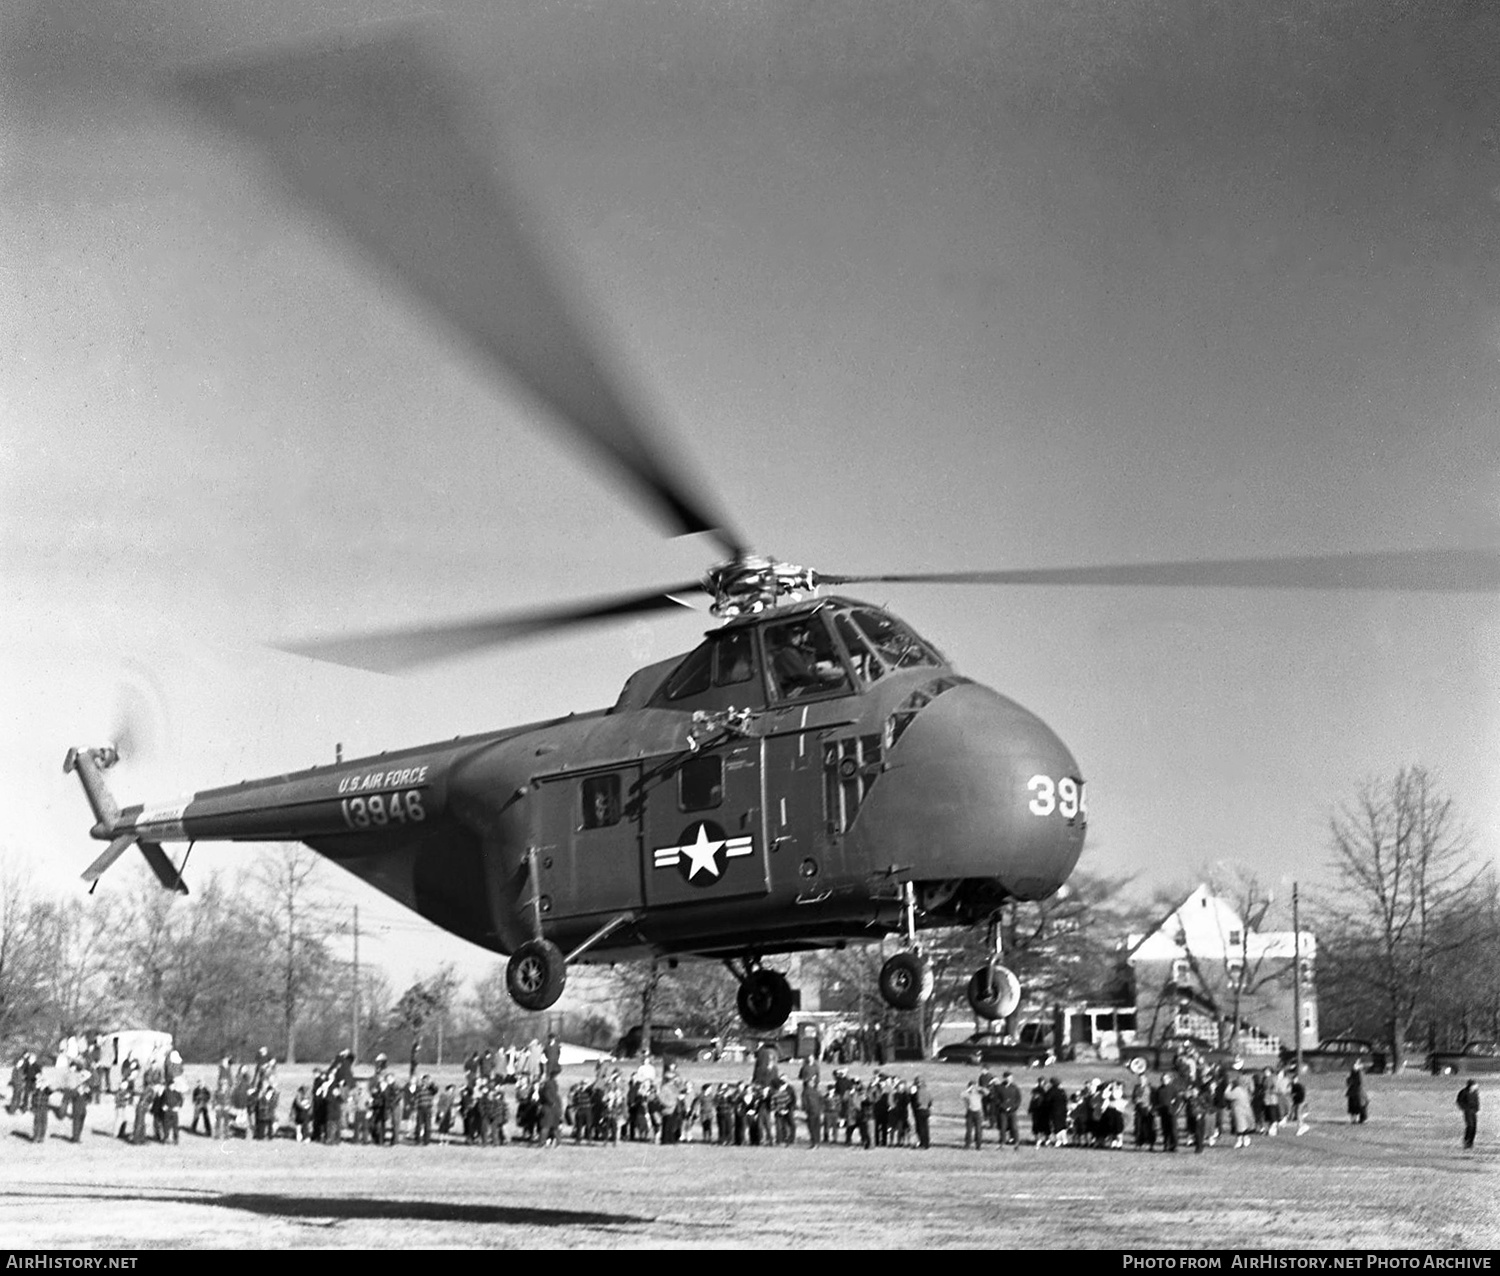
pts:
[1401, 1181]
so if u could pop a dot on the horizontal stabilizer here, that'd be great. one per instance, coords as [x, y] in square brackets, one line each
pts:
[111, 853]
[161, 864]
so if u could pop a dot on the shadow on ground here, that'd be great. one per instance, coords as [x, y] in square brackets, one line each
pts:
[361, 1207]
[347, 1208]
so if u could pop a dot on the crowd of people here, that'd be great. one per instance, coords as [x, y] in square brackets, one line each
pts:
[515, 1095]
[768, 1110]
[1198, 1107]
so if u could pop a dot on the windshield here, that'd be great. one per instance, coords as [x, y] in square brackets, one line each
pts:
[897, 646]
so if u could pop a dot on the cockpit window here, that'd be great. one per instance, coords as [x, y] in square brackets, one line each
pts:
[734, 658]
[867, 666]
[803, 659]
[692, 675]
[896, 645]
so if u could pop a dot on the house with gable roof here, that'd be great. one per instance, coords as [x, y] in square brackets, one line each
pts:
[1203, 968]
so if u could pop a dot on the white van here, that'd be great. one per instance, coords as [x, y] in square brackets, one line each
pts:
[148, 1047]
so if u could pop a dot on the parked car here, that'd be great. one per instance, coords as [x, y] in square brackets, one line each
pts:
[1477, 1056]
[670, 1043]
[995, 1047]
[1337, 1054]
[1166, 1055]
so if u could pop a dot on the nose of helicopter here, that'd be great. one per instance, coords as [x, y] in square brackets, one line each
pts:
[980, 787]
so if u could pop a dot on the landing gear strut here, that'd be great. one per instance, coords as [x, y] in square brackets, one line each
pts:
[906, 979]
[994, 992]
[765, 997]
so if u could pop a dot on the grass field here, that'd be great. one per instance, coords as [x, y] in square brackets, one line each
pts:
[1401, 1181]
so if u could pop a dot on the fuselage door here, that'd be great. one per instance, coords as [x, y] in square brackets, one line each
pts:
[703, 835]
[588, 842]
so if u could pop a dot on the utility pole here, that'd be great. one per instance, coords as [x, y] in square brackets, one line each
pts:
[354, 1001]
[1296, 983]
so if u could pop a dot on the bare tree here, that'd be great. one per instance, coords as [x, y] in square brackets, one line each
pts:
[297, 923]
[78, 982]
[850, 984]
[1406, 892]
[28, 942]
[500, 1019]
[194, 966]
[426, 1004]
[1063, 949]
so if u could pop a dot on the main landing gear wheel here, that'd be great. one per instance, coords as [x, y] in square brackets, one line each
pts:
[905, 981]
[994, 992]
[765, 1000]
[536, 974]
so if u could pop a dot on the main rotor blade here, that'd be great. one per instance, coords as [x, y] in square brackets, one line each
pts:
[367, 134]
[1422, 570]
[393, 650]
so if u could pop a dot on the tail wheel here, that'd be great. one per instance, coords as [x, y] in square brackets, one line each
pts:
[536, 974]
[994, 992]
[906, 981]
[765, 1000]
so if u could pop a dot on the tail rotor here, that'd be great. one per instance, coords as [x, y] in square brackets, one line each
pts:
[90, 765]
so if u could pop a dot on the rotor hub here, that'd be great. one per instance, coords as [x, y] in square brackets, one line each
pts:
[748, 584]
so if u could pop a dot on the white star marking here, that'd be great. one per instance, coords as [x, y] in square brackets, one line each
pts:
[701, 854]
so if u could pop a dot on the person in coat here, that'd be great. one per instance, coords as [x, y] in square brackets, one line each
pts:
[1358, 1098]
[1007, 1101]
[1241, 1111]
[41, 1109]
[551, 1112]
[1468, 1104]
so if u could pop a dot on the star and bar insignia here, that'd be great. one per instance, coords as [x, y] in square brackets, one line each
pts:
[704, 853]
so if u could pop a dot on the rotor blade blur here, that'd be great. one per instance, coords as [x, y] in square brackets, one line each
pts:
[1423, 570]
[393, 650]
[369, 135]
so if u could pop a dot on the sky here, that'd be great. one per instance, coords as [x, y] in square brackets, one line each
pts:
[956, 286]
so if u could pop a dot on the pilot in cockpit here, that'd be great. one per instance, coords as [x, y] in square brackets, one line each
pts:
[803, 659]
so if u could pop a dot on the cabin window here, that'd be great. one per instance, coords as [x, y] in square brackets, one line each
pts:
[692, 675]
[734, 658]
[803, 660]
[867, 666]
[700, 784]
[601, 801]
[896, 645]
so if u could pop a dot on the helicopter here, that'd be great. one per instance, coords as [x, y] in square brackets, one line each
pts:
[814, 773]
